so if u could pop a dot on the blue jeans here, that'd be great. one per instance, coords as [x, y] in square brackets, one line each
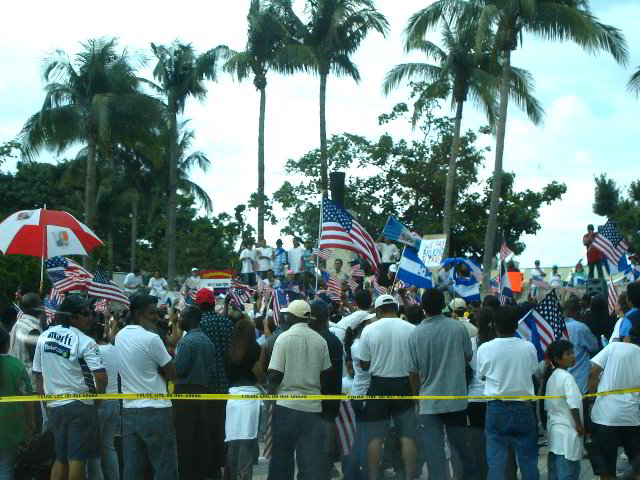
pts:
[357, 464]
[8, 462]
[432, 427]
[562, 469]
[106, 467]
[511, 424]
[301, 433]
[148, 433]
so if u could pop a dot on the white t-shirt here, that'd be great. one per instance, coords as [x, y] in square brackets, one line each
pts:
[264, 264]
[110, 360]
[295, 259]
[385, 343]
[616, 329]
[340, 329]
[507, 364]
[157, 286]
[140, 355]
[361, 378]
[132, 282]
[388, 253]
[247, 257]
[476, 387]
[536, 272]
[66, 357]
[621, 364]
[563, 437]
[556, 281]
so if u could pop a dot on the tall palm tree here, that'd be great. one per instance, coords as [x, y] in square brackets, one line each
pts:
[634, 82]
[465, 72]
[334, 31]
[269, 47]
[81, 96]
[556, 20]
[181, 73]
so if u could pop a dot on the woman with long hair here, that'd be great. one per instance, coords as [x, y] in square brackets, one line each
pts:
[476, 409]
[241, 425]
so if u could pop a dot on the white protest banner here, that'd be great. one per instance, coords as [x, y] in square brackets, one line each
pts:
[432, 249]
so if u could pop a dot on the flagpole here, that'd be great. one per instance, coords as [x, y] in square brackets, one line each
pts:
[44, 237]
[315, 274]
[395, 277]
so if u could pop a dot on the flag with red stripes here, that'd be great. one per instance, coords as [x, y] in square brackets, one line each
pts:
[612, 297]
[324, 254]
[334, 287]
[341, 230]
[544, 324]
[505, 251]
[66, 274]
[610, 242]
[346, 423]
[377, 288]
[268, 431]
[356, 271]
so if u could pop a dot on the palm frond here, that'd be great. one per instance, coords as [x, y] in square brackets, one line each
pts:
[521, 91]
[428, 18]
[634, 83]
[410, 71]
[343, 67]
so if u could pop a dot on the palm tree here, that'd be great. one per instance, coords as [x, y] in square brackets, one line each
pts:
[334, 32]
[557, 20]
[634, 82]
[81, 96]
[268, 48]
[181, 73]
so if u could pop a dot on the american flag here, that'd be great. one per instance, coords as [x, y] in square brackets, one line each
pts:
[279, 301]
[356, 271]
[613, 297]
[353, 285]
[50, 308]
[377, 288]
[239, 296]
[504, 251]
[334, 287]
[324, 254]
[291, 287]
[346, 424]
[101, 306]
[538, 282]
[103, 287]
[340, 230]
[544, 324]
[67, 275]
[610, 242]
[187, 298]
[237, 284]
[268, 431]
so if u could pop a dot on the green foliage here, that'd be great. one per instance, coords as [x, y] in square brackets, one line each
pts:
[408, 179]
[621, 205]
[7, 150]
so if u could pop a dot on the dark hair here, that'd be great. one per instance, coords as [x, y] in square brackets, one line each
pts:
[557, 349]
[571, 305]
[363, 299]
[491, 301]
[432, 301]
[351, 334]
[633, 294]
[389, 308]
[136, 270]
[338, 260]
[4, 346]
[244, 334]
[96, 330]
[414, 314]
[506, 320]
[194, 313]
[484, 323]
[599, 305]
[623, 303]
[635, 334]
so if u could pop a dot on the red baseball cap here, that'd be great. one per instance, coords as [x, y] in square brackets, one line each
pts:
[205, 296]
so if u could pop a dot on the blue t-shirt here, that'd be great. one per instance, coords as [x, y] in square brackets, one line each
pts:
[631, 319]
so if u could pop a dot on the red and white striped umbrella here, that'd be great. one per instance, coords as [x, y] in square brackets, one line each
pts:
[46, 233]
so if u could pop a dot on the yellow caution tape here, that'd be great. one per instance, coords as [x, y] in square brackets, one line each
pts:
[224, 396]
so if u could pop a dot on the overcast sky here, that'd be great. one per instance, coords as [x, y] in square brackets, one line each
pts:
[591, 124]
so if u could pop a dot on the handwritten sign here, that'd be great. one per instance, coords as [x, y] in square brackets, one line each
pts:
[432, 249]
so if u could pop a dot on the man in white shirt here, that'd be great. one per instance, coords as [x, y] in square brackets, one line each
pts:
[67, 361]
[295, 258]
[146, 367]
[388, 256]
[616, 418]
[299, 365]
[383, 350]
[536, 274]
[508, 364]
[556, 280]
[264, 256]
[247, 260]
[133, 282]
[363, 302]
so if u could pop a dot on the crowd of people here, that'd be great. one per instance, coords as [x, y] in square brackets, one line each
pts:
[365, 343]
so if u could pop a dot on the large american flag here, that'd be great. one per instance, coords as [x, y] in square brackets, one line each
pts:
[612, 297]
[66, 274]
[610, 242]
[340, 230]
[544, 324]
[346, 425]
[102, 287]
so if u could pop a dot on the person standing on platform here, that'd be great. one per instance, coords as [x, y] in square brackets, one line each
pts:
[594, 257]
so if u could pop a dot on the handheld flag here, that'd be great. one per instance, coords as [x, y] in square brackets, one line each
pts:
[467, 288]
[341, 230]
[412, 271]
[610, 242]
[279, 301]
[544, 324]
[612, 297]
[66, 274]
[103, 287]
[394, 230]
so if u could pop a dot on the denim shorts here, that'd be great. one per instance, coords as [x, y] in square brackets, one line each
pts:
[75, 431]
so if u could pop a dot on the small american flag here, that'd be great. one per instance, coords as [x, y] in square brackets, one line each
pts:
[540, 283]
[334, 287]
[50, 307]
[268, 431]
[610, 242]
[103, 287]
[101, 306]
[356, 271]
[377, 288]
[341, 230]
[505, 251]
[67, 275]
[612, 297]
[324, 254]
[353, 285]
[187, 298]
[346, 423]
[279, 301]
[239, 296]
[544, 324]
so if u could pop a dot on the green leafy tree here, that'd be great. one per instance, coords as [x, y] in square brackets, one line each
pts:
[181, 73]
[269, 47]
[509, 20]
[634, 82]
[7, 150]
[333, 32]
[621, 205]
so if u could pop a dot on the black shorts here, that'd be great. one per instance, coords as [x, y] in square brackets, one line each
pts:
[604, 448]
[75, 431]
[379, 412]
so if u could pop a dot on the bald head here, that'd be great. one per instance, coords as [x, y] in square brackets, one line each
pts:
[30, 302]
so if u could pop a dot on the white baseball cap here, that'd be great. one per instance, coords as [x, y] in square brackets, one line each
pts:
[393, 268]
[385, 300]
[298, 308]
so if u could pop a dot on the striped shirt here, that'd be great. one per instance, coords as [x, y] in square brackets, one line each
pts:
[194, 355]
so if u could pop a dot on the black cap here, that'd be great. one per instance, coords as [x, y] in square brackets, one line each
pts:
[590, 227]
[138, 302]
[75, 304]
[278, 242]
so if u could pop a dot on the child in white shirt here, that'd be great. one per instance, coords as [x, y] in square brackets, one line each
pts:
[565, 417]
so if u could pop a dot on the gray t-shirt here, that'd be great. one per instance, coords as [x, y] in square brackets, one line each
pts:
[439, 350]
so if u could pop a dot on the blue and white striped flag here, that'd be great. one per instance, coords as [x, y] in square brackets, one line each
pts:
[467, 288]
[412, 271]
[396, 231]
